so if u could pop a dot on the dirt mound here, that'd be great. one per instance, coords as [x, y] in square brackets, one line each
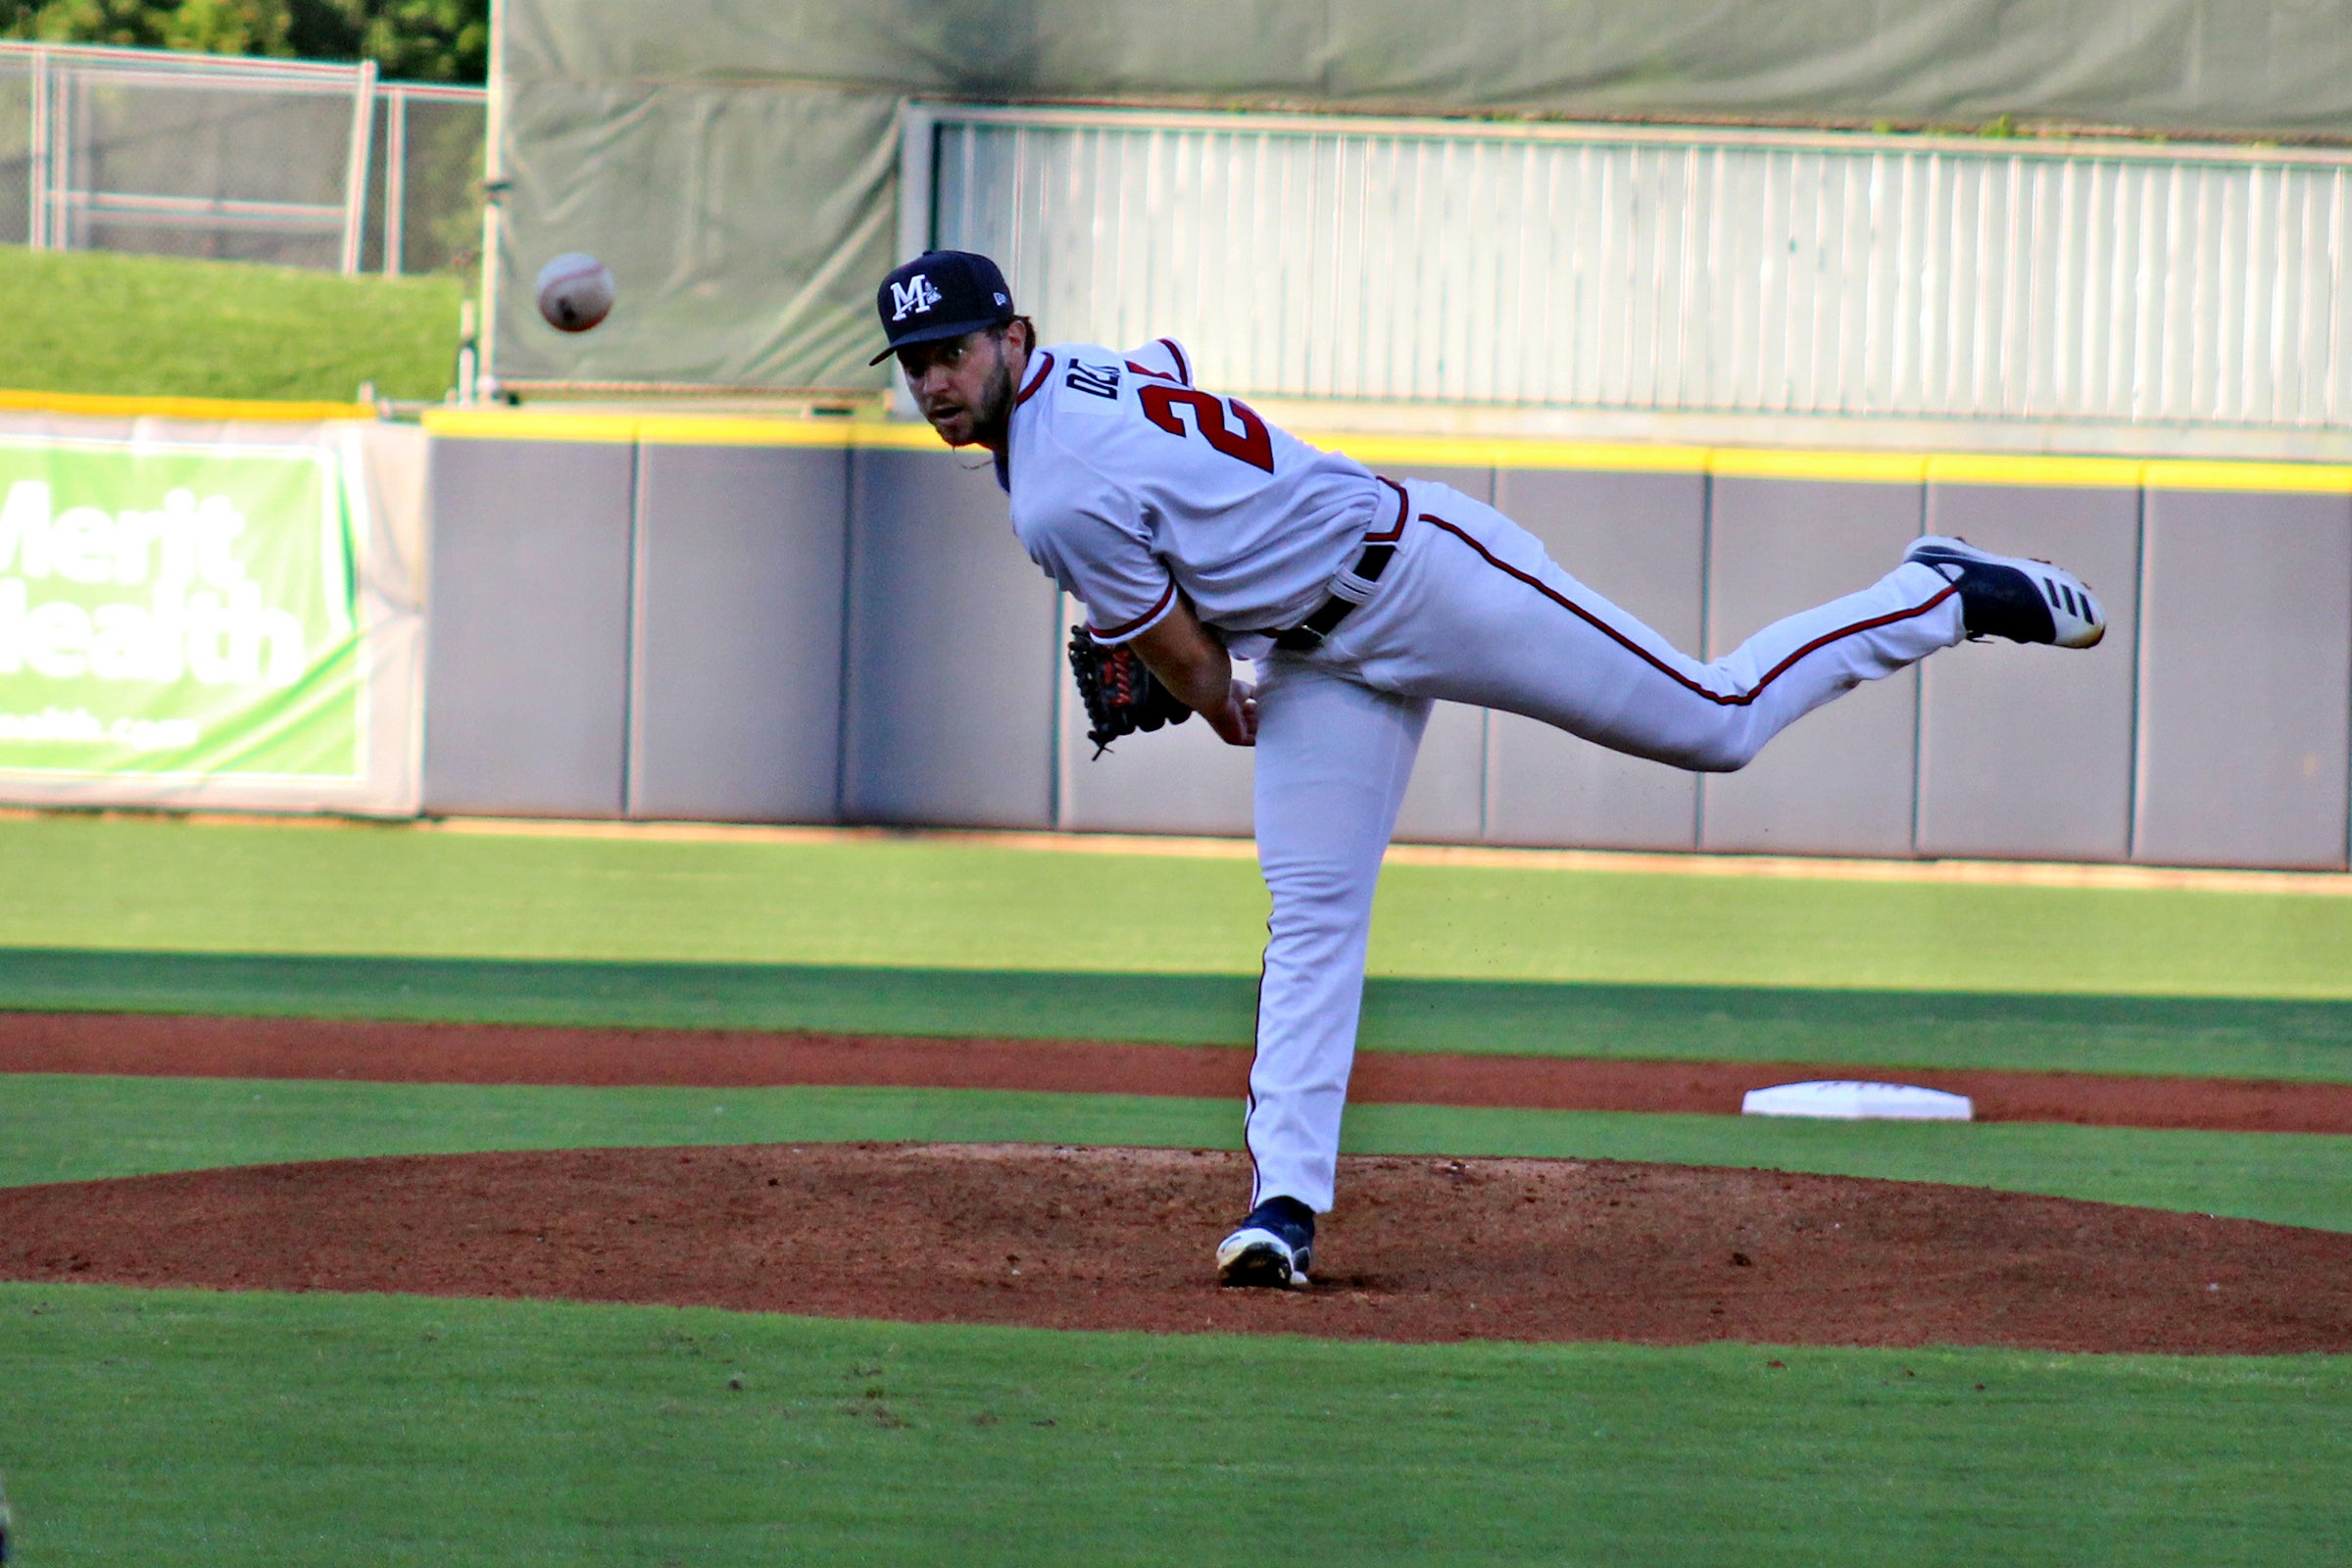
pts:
[1424, 1249]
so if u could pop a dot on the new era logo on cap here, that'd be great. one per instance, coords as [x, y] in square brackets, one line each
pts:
[941, 294]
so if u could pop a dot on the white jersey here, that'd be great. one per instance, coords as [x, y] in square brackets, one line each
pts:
[1128, 485]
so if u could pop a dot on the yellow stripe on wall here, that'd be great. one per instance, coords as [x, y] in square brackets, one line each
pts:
[1861, 467]
[531, 424]
[1476, 451]
[2305, 478]
[211, 411]
[1490, 451]
[2056, 474]
[677, 429]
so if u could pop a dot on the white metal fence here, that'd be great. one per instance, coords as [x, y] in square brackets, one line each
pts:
[1626, 268]
[287, 161]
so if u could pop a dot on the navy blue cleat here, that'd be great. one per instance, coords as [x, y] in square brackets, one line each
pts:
[1271, 1247]
[2009, 596]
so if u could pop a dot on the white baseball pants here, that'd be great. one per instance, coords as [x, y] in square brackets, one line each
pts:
[1472, 611]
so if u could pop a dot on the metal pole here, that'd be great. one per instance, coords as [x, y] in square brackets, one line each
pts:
[69, 133]
[494, 188]
[918, 213]
[396, 178]
[355, 177]
[919, 140]
[37, 219]
[468, 356]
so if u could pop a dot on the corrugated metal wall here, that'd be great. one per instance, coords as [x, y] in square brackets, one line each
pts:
[1608, 269]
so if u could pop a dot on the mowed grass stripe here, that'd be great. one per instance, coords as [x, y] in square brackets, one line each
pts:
[178, 327]
[73, 1128]
[161, 885]
[2198, 1036]
[257, 1430]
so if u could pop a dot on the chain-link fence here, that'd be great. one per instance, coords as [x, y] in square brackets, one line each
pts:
[292, 162]
[424, 206]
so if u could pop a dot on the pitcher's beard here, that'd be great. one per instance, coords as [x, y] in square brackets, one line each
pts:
[990, 419]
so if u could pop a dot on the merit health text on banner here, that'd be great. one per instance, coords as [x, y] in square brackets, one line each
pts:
[188, 620]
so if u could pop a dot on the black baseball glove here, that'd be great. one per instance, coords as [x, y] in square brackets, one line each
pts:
[1120, 692]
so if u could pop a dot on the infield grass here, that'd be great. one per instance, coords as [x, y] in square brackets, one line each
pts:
[2194, 1037]
[156, 884]
[173, 326]
[252, 1430]
[70, 1128]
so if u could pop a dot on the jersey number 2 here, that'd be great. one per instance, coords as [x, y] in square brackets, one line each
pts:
[1249, 443]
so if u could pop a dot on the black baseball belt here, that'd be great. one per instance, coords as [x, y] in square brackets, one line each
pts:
[1380, 547]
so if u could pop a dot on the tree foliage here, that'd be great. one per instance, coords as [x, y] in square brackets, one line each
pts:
[409, 40]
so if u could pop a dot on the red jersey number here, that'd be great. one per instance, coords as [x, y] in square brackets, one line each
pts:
[1250, 443]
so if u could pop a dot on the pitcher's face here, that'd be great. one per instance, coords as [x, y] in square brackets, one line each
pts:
[965, 385]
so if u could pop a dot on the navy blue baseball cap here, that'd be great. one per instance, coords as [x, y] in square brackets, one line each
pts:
[941, 294]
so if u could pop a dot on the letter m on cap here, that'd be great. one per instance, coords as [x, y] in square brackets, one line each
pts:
[915, 294]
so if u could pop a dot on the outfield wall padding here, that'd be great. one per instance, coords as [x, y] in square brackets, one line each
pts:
[813, 632]
[954, 650]
[736, 624]
[527, 664]
[1997, 716]
[2244, 682]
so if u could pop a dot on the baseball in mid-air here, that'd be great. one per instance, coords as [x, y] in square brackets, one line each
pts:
[575, 292]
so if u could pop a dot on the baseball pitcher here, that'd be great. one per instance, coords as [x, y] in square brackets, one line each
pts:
[1195, 533]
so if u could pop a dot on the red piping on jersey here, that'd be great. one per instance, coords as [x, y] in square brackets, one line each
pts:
[1668, 671]
[1402, 506]
[1125, 627]
[1184, 369]
[1035, 381]
[1157, 375]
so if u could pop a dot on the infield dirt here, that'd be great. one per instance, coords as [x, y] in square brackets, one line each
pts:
[1421, 1249]
[504, 1053]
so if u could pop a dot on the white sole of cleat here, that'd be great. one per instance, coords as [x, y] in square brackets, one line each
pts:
[1254, 1257]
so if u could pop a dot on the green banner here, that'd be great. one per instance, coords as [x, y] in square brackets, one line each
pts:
[172, 611]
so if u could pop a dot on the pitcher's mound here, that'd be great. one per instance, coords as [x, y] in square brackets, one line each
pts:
[1121, 1239]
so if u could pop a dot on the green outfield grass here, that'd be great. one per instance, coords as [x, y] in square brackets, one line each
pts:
[72, 1128]
[264, 1429]
[157, 325]
[255, 1430]
[157, 884]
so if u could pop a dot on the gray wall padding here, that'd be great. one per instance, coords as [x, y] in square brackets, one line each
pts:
[826, 635]
[527, 642]
[2246, 680]
[735, 710]
[954, 651]
[1840, 780]
[1637, 540]
[2023, 754]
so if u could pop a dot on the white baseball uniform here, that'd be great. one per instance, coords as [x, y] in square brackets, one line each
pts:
[1128, 486]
